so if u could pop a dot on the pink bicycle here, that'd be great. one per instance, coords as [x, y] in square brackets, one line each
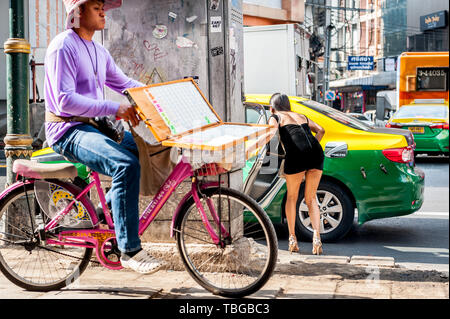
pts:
[49, 229]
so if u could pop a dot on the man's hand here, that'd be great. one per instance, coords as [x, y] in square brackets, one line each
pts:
[128, 113]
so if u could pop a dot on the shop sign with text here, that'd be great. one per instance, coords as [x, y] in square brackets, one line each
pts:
[360, 63]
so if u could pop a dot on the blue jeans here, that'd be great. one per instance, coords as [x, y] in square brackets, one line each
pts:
[85, 144]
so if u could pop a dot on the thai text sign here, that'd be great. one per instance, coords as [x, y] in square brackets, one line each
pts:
[433, 21]
[360, 63]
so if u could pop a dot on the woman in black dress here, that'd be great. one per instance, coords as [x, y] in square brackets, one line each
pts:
[303, 160]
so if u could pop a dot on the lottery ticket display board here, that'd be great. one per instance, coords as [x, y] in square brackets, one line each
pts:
[179, 115]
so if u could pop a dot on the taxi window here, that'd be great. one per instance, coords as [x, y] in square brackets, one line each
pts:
[336, 115]
[423, 112]
[252, 116]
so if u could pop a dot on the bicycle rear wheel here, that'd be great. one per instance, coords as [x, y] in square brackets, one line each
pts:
[245, 260]
[26, 259]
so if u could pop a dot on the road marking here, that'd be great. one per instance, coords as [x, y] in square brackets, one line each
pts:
[439, 252]
[431, 214]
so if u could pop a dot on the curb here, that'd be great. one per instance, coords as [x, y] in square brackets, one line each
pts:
[373, 261]
[168, 250]
[288, 263]
[169, 253]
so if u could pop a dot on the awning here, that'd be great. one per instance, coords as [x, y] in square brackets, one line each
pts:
[382, 79]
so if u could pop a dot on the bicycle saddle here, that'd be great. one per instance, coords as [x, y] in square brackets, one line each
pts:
[36, 170]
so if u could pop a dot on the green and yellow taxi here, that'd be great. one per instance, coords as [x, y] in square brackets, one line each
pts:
[429, 124]
[371, 170]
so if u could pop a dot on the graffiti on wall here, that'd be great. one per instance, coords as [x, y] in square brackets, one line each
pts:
[154, 41]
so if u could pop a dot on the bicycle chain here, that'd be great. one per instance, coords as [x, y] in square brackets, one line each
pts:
[67, 255]
[92, 260]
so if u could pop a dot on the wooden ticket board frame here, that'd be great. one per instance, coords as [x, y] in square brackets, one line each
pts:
[154, 121]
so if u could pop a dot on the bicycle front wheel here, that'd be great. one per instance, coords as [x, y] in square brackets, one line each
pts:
[25, 258]
[244, 259]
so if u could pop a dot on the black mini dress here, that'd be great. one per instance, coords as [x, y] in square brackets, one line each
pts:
[296, 160]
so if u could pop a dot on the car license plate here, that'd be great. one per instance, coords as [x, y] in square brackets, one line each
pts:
[417, 129]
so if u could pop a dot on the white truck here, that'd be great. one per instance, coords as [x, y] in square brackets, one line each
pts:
[276, 59]
[386, 106]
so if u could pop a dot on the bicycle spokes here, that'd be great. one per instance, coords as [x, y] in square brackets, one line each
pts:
[26, 258]
[243, 259]
[212, 219]
[61, 207]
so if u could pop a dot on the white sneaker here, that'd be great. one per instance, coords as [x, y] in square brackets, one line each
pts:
[142, 262]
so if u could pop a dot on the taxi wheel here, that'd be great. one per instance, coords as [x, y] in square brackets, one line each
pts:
[336, 213]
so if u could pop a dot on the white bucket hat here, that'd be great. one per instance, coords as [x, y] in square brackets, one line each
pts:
[72, 5]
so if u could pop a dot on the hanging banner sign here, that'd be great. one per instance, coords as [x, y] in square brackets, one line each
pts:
[360, 63]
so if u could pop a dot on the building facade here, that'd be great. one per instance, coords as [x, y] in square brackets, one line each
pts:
[427, 23]
[383, 29]
[268, 12]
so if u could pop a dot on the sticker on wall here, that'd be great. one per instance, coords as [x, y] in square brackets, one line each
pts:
[160, 31]
[191, 19]
[172, 16]
[183, 42]
[217, 51]
[214, 4]
[216, 24]
[233, 40]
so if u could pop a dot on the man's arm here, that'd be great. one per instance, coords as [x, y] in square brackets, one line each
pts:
[119, 82]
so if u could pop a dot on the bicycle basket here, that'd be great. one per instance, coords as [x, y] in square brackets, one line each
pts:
[208, 163]
[211, 169]
[53, 198]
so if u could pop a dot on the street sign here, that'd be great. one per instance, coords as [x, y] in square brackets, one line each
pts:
[360, 63]
[330, 95]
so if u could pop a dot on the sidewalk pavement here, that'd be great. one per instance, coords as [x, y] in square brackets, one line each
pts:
[297, 276]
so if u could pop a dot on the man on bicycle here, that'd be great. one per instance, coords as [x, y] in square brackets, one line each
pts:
[76, 70]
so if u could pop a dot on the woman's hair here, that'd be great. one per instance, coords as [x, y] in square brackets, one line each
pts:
[280, 102]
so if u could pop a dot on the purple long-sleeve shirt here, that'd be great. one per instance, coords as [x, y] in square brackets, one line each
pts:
[71, 87]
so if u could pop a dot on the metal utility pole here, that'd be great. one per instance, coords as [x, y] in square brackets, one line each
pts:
[328, 27]
[18, 140]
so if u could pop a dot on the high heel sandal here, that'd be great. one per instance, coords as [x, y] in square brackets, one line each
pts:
[317, 245]
[293, 247]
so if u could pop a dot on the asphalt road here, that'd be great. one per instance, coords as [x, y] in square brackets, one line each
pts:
[419, 240]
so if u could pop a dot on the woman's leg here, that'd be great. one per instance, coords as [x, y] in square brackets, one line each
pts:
[312, 181]
[293, 182]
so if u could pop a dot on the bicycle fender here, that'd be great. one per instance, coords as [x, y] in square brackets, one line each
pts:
[183, 201]
[13, 187]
